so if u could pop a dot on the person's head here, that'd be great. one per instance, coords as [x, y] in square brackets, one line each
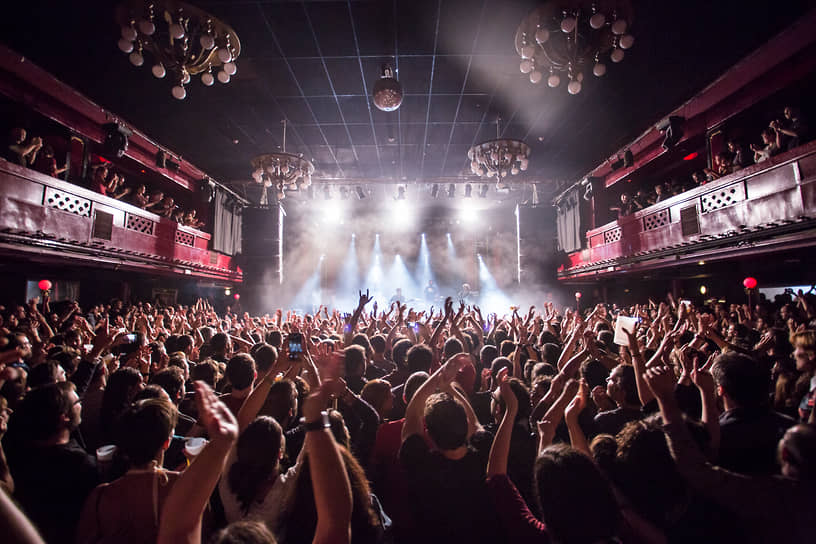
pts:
[577, 502]
[378, 344]
[206, 371]
[49, 410]
[241, 371]
[274, 339]
[362, 341]
[244, 532]
[141, 189]
[506, 348]
[378, 394]
[5, 413]
[624, 198]
[621, 386]
[741, 380]
[145, 430]
[498, 364]
[258, 453]
[791, 113]
[419, 358]
[355, 361]
[658, 189]
[732, 146]
[170, 379]
[413, 383]
[550, 353]
[446, 421]
[804, 350]
[18, 135]
[522, 394]
[797, 450]
[120, 391]
[221, 344]
[265, 356]
[281, 402]
[595, 373]
[768, 136]
[45, 373]
[540, 387]
[487, 354]
[16, 341]
[452, 347]
[152, 392]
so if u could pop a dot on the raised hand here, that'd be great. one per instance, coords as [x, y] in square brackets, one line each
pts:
[214, 414]
[702, 377]
[364, 299]
[662, 381]
[506, 392]
[578, 403]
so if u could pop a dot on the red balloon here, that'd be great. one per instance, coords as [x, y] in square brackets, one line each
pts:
[44, 285]
[577, 294]
[237, 296]
[749, 283]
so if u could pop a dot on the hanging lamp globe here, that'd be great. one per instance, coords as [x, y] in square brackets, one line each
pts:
[387, 91]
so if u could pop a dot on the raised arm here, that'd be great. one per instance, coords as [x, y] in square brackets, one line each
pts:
[182, 511]
[500, 451]
[444, 375]
[330, 482]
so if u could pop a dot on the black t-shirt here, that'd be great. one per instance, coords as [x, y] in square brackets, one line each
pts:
[612, 421]
[749, 438]
[51, 483]
[450, 496]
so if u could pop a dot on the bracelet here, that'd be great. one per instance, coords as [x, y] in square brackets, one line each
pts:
[317, 425]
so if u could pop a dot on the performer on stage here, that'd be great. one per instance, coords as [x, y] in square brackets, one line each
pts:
[465, 294]
[431, 292]
[398, 297]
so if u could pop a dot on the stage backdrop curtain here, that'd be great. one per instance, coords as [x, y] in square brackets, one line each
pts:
[570, 233]
[226, 224]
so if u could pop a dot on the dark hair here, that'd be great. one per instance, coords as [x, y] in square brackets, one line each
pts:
[413, 383]
[355, 360]
[281, 401]
[274, 339]
[219, 342]
[257, 453]
[361, 340]
[523, 396]
[594, 373]
[40, 413]
[487, 354]
[628, 384]
[551, 352]
[144, 428]
[44, 373]
[265, 356]
[68, 359]
[206, 371]
[506, 348]
[151, 392]
[577, 503]
[419, 359]
[498, 364]
[742, 379]
[301, 519]
[377, 343]
[452, 347]
[399, 352]
[244, 532]
[171, 379]
[241, 371]
[117, 397]
[542, 369]
[446, 421]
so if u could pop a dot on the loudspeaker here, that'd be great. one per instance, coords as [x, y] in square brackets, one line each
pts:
[628, 159]
[673, 127]
[116, 139]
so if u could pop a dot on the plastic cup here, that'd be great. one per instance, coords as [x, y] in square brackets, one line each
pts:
[193, 446]
[104, 454]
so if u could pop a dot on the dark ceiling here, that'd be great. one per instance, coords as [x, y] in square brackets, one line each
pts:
[314, 63]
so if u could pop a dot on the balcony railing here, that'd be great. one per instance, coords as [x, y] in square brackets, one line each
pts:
[762, 208]
[43, 214]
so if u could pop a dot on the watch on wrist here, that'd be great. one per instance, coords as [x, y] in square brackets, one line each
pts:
[318, 424]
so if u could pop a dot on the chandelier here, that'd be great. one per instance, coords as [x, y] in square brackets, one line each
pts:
[285, 171]
[568, 36]
[499, 158]
[183, 40]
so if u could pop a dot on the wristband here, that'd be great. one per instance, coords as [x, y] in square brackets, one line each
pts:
[317, 425]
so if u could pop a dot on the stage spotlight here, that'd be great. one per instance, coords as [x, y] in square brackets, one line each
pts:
[332, 214]
[491, 297]
[483, 190]
[402, 215]
[400, 193]
[468, 191]
[327, 192]
[360, 193]
[435, 190]
[451, 190]
[468, 213]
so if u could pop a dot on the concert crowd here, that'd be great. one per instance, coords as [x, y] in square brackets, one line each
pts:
[660, 422]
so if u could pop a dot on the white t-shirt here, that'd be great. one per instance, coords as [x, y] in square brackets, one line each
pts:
[267, 510]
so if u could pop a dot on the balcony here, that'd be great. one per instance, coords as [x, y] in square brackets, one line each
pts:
[759, 210]
[48, 219]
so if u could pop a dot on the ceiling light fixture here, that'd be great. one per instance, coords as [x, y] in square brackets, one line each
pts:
[282, 170]
[360, 193]
[498, 158]
[400, 192]
[569, 36]
[387, 91]
[468, 191]
[451, 190]
[483, 190]
[434, 190]
[182, 39]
